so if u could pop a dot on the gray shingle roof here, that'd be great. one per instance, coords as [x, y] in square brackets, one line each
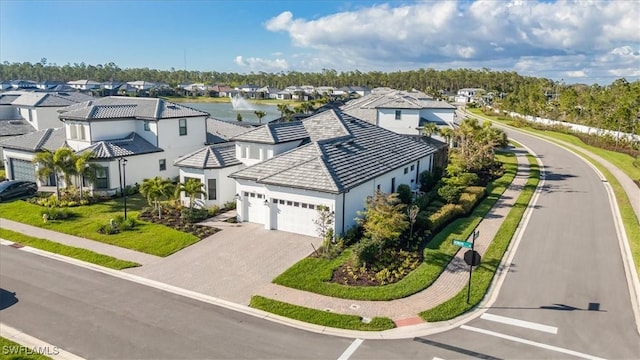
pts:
[7, 99]
[52, 99]
[325, 125]
[15, 127]
[210, 157]
[47, 139]
[219, 131]
[114, 107]
[339, 164]
[133, 144]
[274, 133]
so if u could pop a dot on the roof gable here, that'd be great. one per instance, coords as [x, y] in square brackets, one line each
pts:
[133, 144]
[113, 107]
[210, 157]
[46, 139]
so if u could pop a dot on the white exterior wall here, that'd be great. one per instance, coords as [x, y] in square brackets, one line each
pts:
[28, 114]
[47, 118]
[77, 144]
[445, 115]
[264, 151]
[152, 135]
[409, 120]
[109, 130]
[174, 145]
[225, 186]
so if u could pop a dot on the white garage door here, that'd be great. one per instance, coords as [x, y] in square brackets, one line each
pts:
[256, 209]
[296, 217]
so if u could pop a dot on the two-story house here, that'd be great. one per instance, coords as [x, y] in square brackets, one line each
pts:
[149, 133]
[403, 112]
[84, 85]
[330, 159]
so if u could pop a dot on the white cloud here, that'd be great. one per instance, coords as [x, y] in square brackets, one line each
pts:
[444, 32]
[259, 64]
[575, 74]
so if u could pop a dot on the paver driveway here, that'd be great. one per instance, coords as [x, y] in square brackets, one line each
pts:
[233, 263]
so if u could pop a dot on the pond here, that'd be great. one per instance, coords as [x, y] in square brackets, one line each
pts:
[225, 111]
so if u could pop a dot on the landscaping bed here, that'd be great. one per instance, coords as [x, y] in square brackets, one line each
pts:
[173, 218]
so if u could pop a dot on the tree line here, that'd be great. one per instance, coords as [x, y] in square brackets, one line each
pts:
[615, 106]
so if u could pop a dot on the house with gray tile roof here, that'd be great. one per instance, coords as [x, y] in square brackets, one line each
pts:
[342, 161]
[219, 131]
[403, 112]
[84, 84]
[18, 152]
[40, 109]
[264, 142]
[211, 165]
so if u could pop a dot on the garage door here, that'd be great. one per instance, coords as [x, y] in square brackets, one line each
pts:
[255, 208]
[296, 217]
[22, 169]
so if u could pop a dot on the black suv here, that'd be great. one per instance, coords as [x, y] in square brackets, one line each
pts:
[11, 189]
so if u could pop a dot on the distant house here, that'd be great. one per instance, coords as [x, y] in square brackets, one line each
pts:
[141, 85]
[267, 92]
[353, 90]
[248, 90]
[47, 85]
[220, 90]
[468, 95]
[402, 112]
[5, 85]
[40, 109]
[84, 85]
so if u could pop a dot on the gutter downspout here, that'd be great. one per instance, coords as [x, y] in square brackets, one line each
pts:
[343, 201]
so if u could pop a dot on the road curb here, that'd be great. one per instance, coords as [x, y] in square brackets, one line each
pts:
[33, 345]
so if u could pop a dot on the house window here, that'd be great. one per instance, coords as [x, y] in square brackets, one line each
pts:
[406, 170]
[378, 186]
[304, 205]
[259, 196]
[102, 178]
[252, 194]
[183, 127]
[81, 132]
[275, 201]
[281, 202]
[254, 152]
[211, 184]
[311, 206]
[289, 203]
[412, 167]
[245, 194]
[296, 204]
[146, 126]
[73, 131]
[393, 185]
[398, 114]
[162, 164]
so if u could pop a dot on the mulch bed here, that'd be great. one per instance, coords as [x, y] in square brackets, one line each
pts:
[172, 218]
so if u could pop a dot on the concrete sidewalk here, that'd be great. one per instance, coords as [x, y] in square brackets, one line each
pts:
[449, 283]
[101, 248]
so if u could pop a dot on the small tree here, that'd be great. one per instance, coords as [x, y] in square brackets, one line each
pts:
[449, 193]
[192, 188]
[428, 129]
[155, 189]
[85, 169]
[383, 219]
[324, 225]
[260, 114]
[413, 214]
[239, 117]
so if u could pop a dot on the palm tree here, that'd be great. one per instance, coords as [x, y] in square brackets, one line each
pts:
[260, 114]
[155, 189]
[428, 129]
[192, 188]
[85, 170]
[283, 109]
[62, 162]
[447, 134]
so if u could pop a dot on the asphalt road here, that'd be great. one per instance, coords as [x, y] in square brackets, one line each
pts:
[567, 275]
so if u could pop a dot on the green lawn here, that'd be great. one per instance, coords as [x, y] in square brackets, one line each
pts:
[10, 350]
[313, 274]
[483, 274]
[70, 251]
[146, 237]
[319, 317]
[622, 161]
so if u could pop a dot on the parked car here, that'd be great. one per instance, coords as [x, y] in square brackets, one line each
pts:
[11, 189]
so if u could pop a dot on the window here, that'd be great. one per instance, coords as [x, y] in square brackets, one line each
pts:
[296, 204]
[398, 114]
[378, 186]
[275, 201]
[81, 132]
[146, 126]
[393, 185]
[412, 167]
[102, 178]
[245, 194]
[304, 205]
[73, 131]
[311, 206]
[252, 194]
[406, 170]
[183, 127]
[254, 152]
[289, 203]
[162, 164]
[211, 184]
[259, 196]
[281, 202]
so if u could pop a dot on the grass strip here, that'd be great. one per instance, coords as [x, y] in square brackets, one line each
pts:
[10, 350]
[319, 317]
[313, 274]
[146, 237]
[66, 250]
[484, 273]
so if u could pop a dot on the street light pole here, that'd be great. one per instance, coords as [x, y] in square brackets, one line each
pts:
[120, 175]
[124, 180]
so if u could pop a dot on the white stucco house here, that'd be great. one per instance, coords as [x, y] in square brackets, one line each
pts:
[40, 109]
[330, 159]
[402, 112]
[84, 84]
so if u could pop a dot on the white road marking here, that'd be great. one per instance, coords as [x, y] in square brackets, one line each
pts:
[520, 323]
[532, 343]
[351, 349]
[437, 358]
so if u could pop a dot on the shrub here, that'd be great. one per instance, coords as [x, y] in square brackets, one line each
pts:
[56, 214]
[365, 251]
[193, 215]
[108, 229]
[464, 179]
[467, 201]
[213, 210]
[428, 179]
[422, 221]
[478, 190]
[404, 194]
[443, 216]
[128, 224]
[353, 235]
[450, 193]
[230, 205]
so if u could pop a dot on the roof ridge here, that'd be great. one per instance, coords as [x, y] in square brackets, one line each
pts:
[215, 155]
[158, 108]
[45, 136]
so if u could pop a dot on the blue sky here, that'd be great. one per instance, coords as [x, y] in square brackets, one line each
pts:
[572, 41]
